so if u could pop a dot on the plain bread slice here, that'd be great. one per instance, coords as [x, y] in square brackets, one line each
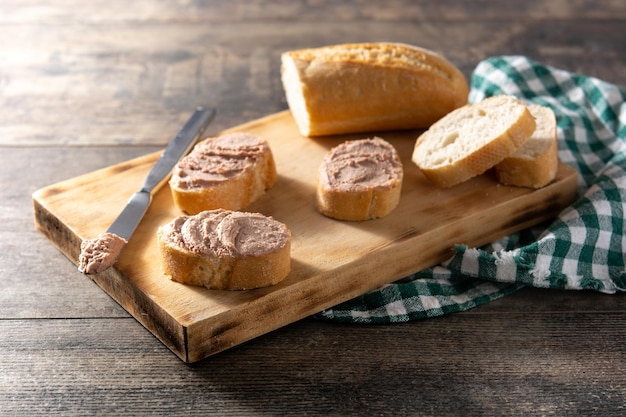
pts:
[536, 162]
[472, 139]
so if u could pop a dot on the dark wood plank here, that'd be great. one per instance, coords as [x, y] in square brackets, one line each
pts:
[219, 11]
[456, 365]
[123, 83]
[539, 301]
[35, 282]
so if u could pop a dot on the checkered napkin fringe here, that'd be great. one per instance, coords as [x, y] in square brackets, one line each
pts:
[584, 248]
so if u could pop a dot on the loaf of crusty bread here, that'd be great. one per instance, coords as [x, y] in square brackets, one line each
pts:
[472, 139]
[536, 162]
[367, 87]
[227, 250]
[359, 180]
[229, 171]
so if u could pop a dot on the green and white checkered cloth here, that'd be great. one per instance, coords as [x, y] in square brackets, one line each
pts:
[584, 248]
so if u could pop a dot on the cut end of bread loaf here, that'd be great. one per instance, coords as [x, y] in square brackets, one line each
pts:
[369, 87]
[472, 139]
[535, 163]
[295, 90]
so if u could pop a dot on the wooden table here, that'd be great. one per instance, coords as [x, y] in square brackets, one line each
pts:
[87, 84]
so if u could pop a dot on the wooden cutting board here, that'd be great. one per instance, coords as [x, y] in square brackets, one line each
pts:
[332, 261]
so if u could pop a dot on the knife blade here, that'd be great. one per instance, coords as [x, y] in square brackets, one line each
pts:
[99, 254]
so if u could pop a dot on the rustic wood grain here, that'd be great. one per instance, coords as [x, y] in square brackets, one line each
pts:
[87, 84]
[218, 11]
[125, 75]
[457, 365]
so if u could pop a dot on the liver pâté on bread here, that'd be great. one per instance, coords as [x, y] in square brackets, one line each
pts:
[225, 250]
[359, 180]
[229, 172]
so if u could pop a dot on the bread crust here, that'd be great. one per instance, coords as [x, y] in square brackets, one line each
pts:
[369, 87]
[358, 205]
[536, 163]
[225, 272]
[235, 193]
[468, 164]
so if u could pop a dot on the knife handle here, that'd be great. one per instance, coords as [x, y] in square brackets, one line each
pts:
[182, 143]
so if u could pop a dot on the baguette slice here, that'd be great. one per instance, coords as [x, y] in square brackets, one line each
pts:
[368, 87]
[226, 250]
[229, 171]
[359, 180]
[536, 162]
[472, 139]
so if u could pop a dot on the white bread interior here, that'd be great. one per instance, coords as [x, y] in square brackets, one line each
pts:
[472, 139]
[535, 163]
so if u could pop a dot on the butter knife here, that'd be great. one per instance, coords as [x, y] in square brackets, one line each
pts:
[99, 254]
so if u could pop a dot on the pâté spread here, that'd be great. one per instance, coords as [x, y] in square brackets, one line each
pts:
[225, 233]
[358, 165]
[100, 253]
[216, 160]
